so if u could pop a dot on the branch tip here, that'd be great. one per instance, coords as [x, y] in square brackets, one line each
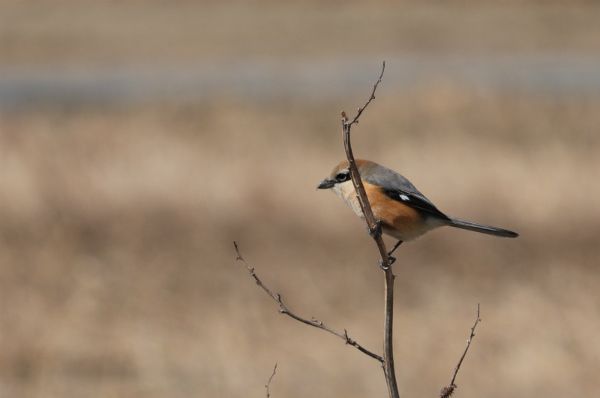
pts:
[268, 385]
[447, 391]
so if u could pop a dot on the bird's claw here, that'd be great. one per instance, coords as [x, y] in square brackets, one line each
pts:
[390, 262]
[376, 230]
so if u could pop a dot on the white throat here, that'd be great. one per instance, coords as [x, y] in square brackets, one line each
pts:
[347, 193]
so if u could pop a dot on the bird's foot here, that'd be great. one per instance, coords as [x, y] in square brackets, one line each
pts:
[390, 262]
[376, 230]
[394, 248]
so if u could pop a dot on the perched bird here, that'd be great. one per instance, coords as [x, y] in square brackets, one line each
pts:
[404, 212]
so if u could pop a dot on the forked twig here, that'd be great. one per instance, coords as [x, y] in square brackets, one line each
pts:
[447, 391]
[283, 309]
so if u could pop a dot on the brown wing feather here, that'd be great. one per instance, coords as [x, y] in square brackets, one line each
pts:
[404, 219]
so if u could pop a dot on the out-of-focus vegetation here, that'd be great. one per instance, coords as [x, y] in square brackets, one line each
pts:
[117, 269]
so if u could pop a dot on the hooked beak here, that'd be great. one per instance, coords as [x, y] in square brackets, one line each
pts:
[326, 184]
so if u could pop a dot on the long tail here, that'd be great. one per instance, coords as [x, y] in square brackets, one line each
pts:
[484, 229]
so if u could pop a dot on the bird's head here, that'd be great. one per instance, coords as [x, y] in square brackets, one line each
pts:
[341, 173]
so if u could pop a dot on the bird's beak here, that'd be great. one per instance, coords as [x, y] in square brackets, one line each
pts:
[326, 184]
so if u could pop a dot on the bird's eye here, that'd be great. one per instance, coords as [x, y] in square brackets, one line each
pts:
[341, 177]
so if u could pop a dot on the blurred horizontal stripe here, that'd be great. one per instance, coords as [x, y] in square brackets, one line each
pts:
[269, 79]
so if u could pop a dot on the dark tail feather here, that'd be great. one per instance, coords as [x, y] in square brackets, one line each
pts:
[484, 229]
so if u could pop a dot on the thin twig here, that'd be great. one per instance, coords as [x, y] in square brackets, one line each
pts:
[268, 385]
[371, 98]
[375, 232]
[447, 391]
[283, 309]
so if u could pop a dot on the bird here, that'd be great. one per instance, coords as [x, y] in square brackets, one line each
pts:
[401, 209]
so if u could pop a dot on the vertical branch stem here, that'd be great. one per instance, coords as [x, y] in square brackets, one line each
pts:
[375, 231]
[388, 347]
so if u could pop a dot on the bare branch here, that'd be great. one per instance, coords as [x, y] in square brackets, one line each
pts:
[283, 309]
[268, 385]
[372, 223]
[371, 98]
[447, 391]
[375, 232]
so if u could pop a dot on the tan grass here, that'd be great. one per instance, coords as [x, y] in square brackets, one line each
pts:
[118, 276]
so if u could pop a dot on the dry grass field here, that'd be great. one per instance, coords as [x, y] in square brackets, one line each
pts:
[117, 272]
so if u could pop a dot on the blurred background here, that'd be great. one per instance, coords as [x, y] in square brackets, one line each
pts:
[139, 139]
